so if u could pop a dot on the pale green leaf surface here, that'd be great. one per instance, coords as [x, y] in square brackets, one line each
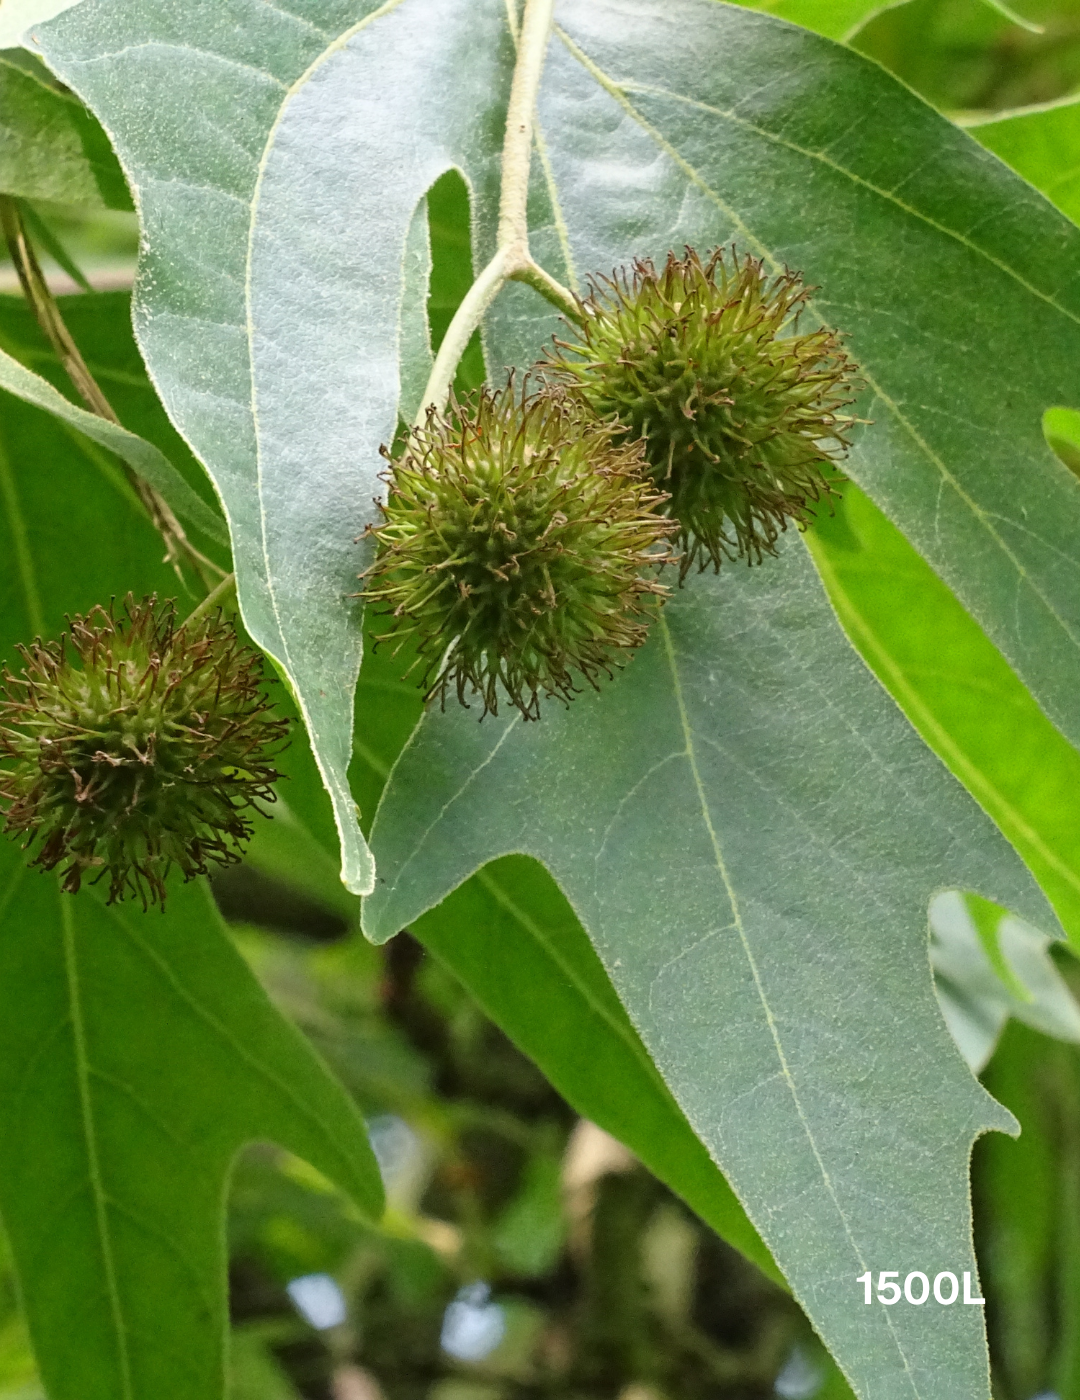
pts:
[510, 937]
[751, 832]
[137, 1052]
[269, 294]
[51, 148]
[1041, 143]
[416, 354]
[942, 268]
[957, 690]
[142, 456]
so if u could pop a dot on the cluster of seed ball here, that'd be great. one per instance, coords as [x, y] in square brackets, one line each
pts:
[518, 555]
[135, 744]
[523, 530]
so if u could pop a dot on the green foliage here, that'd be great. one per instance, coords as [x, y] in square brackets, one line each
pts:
[164, 1059]
[51, 148]
[139, 1054]
[514, 546]
[703, 364]
[957, 690]
[758, 1046]
[1027, 1222]
[1041, 143]
[970, 54]
[510, 937]
[725, 960]
[141, 456]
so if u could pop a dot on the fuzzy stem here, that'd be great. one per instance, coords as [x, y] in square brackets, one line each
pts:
[213, 598]
[47, 314]
[518, 142]
[512, 259]
[533, 275]
[466, 319]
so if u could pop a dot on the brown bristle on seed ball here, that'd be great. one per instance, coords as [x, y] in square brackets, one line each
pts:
[740, 413]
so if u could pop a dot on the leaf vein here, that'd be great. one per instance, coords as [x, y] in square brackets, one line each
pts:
[774, 1031]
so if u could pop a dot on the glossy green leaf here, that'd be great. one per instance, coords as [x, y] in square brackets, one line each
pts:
[1062, 429]
[957, 690]
[751, 832]
[275, 345]
[836, 19]
[1042, 144]
[50, 146]
[842, 19]
[138, 1052]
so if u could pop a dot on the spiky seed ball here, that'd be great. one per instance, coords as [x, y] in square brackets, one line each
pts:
[740, 414]
[512, 549]
[136, 743]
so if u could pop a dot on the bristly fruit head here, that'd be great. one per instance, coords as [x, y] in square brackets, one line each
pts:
[136, 743]
[516, 546]
[741, 416]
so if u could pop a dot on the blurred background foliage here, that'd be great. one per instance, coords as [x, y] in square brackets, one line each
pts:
[526, 1254]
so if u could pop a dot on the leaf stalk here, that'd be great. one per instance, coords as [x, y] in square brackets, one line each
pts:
[217, 595]
[47, 314]
[513, 260]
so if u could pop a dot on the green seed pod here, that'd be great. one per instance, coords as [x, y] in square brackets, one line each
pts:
[740, 415]
[136, 743]
[512, 549]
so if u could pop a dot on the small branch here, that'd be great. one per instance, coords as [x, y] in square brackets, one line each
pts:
[518, 142]
[466, 319]
[213, 598]
[534, 276]
[47, 313]
[512, 259]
